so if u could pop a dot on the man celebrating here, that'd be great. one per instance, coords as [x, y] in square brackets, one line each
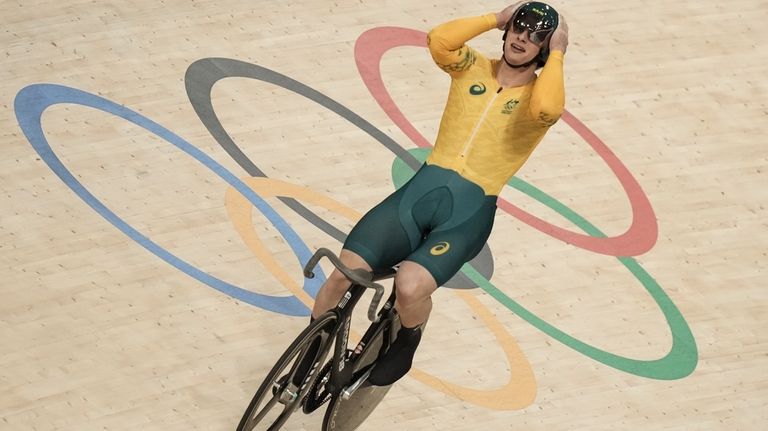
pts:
[497, 112]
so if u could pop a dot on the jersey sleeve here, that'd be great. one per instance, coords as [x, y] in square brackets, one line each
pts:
[548, 97]
[447, 42]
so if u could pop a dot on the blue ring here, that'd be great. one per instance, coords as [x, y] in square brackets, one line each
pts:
[29, 105]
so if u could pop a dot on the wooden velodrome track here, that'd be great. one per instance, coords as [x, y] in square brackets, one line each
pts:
[150, 192]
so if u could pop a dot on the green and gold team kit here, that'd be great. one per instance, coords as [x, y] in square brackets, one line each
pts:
[443, 216]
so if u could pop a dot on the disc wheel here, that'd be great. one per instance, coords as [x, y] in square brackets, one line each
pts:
[347, 415]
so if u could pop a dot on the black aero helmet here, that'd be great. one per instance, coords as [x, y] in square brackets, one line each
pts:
[540, 20]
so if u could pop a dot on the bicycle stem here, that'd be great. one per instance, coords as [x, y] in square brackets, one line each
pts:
[357, 276]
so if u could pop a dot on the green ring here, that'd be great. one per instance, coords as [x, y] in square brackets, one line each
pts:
[682, 357]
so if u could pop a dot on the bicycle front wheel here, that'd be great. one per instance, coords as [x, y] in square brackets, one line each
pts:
[282, 390]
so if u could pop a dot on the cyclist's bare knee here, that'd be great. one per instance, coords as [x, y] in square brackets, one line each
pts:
[410, 293]
[414, 283]
[415, 286]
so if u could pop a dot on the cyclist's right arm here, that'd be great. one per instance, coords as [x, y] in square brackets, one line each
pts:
[447, 42]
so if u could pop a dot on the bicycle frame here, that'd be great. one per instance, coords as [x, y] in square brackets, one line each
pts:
[341, 370]
[338, 383]
[342, 373]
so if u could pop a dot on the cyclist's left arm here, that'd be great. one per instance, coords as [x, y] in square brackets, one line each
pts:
[548, 98]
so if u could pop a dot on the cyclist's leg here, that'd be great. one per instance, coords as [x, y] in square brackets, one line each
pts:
[378, 240]
[415, 285]
[440, 256]
[364, 248]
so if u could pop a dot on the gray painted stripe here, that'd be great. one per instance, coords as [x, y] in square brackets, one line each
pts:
[203, 74]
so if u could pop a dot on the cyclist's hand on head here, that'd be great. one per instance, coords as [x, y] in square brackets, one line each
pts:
[506, 14]
[559, 40]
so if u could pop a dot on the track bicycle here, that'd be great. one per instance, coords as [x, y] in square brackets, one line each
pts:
[342, 381]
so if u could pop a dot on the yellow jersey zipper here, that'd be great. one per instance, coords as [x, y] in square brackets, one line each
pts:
[472, 136]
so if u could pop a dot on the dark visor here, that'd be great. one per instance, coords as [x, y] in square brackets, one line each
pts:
[537, 25]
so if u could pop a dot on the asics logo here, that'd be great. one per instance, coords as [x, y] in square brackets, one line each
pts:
[440, 248]
[477, 89]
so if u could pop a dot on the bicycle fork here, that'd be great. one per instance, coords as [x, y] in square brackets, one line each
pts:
[372, 335]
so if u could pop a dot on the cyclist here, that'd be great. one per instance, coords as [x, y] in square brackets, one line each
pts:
[497, 112]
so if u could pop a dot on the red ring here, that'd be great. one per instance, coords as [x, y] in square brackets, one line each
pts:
[642, 233]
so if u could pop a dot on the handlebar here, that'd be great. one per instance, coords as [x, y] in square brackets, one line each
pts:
[357, 276]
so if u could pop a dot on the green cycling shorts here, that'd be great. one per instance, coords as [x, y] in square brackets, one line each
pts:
[438, 219]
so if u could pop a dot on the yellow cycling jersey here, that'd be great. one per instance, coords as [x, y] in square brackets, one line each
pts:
[487, 132]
